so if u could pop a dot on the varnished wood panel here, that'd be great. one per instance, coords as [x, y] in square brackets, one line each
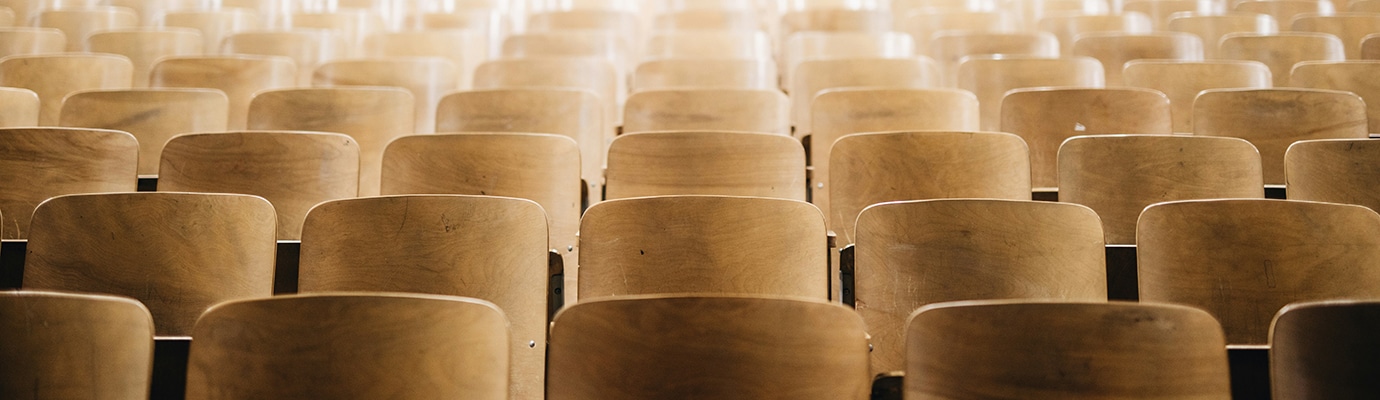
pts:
[705, 162]
[464, 48]
[1272, 119]
[595, 75]
[1335, 170]
[741, 110]
[1348, 26]
[1045, 117]
[834, 45]
[144, 47]
[1325, 350]
[215, 25]
[948, 48]
[1212, 27]
[238, 76]
[39, 163]
[1183, 80]
[79, 22]
[27, 40]
[426, 78]
[1280, 51]
[990, 77]
[54, 76]
[1351, 76]
[705, 73]
[815, 76]
[70, 346]
[1067, 27]
[21, 107]
[307, 48]
[152, 115]
[1114, 49]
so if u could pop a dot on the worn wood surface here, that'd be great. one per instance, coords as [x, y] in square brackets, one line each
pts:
[948, 48]
[1067, 27]
[595, 75]
[1045, 117]
[1160, 10]
[152, 115]
[1114, 49]
[990, 77]
[464, 48]
[54, 76]
[1280, 51]
[815, 76]
[709, 19]
[1325, 350]
[1350, 76]
[238, 76]
[144, 47]
[29, 40]
[428, 79]
[825, 45]
[1183, 80]
[1212, 27]
[307, 48]
[706, 163]
[214, 25]
[1348, 26]
[705, 73]
[60, 345]
[743, 110]
[21, 107]
[708, 44]
[1334, 171]
[39, 163]
[1273, 119]
[79, 22]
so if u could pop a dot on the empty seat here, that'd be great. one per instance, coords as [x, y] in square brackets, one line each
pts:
[745, 110]
[1334, 171]
[214, 25]
[1045, 117]
[1350, 27]
[707, 163]
[816, 76]
[60, 345]
[708, 44]
[24, 40]
[812, 45]
[584, 44]
[990, 77]
[1114, 49]
[79, 22]
[39, 163]
[152, 115]
[1284, 11]
[464, 48]
[350, 25]
[704, 73]
[1272, 119]
[1068, 27]
[426, 78]
[1213, 27]
[21, 107]
[1351, 76]
[1280, 51]
[1183, 80]
[145, 47]
[923, 25]
[307, 48]
[238, 76]
[54, 76]
[708, 20]
[1325, 349]
[1161, 10]
[595, 75]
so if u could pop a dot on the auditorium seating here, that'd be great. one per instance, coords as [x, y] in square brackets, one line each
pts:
[991, 77]
[1211, 28]
[27, 40]
[54, 76]
[1334, 171]
[62, 345]
[1114, 49]
[1281, 51]
[428, 79]
[40, 163]
[704, 73]
[1322, 350]
[745, 110]
[1350, 76]
[240, 77]
[705, 163]
[21, 107]
[1272, 119]
[144, 47]
[152, 115]
[1046, 117]
[1183, 80]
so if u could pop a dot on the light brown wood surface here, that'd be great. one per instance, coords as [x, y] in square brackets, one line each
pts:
[1160, 10]
[152, 115]
[704, 347]
[1067, 27]
[708, 44]
[428, 79]
[1348, 26]
[373, 116]
[144, 46]
[703, 244]
[1119, 175]
[1361, 5]
[28, 40]
[1370, 47]
[214, 25]
[705, 73]
[292, 170]
[21, 107]
[1280, 51]
[826, 19]
[1272, 119]
[54, 76]
[622, 23]
[1334, 171]
[489, 248]
[351, 25]
[705, 163]
[914, 253]
[1283, 11]
[238, 76]
[591, 44]
[1212, 27]
[1325, 350]
[464, 48]
[744, 110]
[1183, 80]
[178, 253]
[1350, 76]
[693, 19]
[1242, 260]
[925, 24]
[1045, 350]
[595, 75]
[990, 77]
[829, 45]
[1045, 117]
[813, 77]
[79, 22]
[948, 48]
[1114, 49]
[60, 345]
[307, 48]
[39, 163]
[350, 346]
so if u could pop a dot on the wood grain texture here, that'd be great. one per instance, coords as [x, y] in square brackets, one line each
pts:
[146, 46]
[79, 22]
[487, 248]
[599, 44]
[990, 77]
[214, 25]
[426, 78]
[705, 73]
[710, 44]
[29, 40]
[948, 48]
[1350, 76]
[1068, 27]
[914, 253]
[832, 45]
[1211, 28]
[1325, 350]
[292, 170]
[873, 168]
[1280, 51]
[708, 19]
[1242, 260]
[152, 115]
[60, 345]
[1160, 10]
[1114, 49]
[39, 163]
[350, 346]
[1183, 80]
[1047, 350]
[744, 110]
[464, 48]
[1273, 119]
[595, 75]
[1119, 175]
[832, 20]
[178, 253]
[373, 116]
[307, 48]
[815, 76]
[705, 162]
[924, 25]
[1045, 117]
[238, 76]
[54, 76]
[350, 24]
[624, 23]
[1350, 27]
[1283, 11]
[703, 244]
[21, 107]
[708, 347]
[1334, 171]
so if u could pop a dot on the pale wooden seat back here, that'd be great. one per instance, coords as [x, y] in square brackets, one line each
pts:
[143, 47]
[1160, 10]
[1334, 171]
[595, 75]
[666, 347]
[54, 76]
[39, 163]
[1351, 76]
[1069, 27]
[1033, 12]
[1324, 349]
[1212, 28]
[1280, 51]
[307, 48]
[27, 40]
[1045, 117]
[79, 22]
[1116, 350]
[350, 346]
[1273, 119]
[21, 107]
[1351, 27]
[805, 46]
[621, 23]
[1183, 80]
[990, 78]
[913, 253]
[215, 25]
[1114, 49]
[1360, 5]
[703, 244]
[426, 78]
[178, 253]
[923, 25]
[1242, 260]
[593, 44]
[152, 115]
[464, 48]
[831, 19]
[238, 76]
[292, 170]
[949, 48]
[813, 77]
[489, 248]
[709, 44]
[743, 110]
[1119, 175]
[1284, 11]
[705, 73]
[705, 163]
[708, 19]
[60, 345]
[350, 25]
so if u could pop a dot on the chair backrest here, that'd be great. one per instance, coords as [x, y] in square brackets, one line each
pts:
[831, 19]
[1119, 175]
[373, 116]
[1212, 27]
[144, 47]
[292, 170]
[238, 76]
[587, 44]
[913, 253]
[595, 75]
[1334, 171]
[152, 115]
[923, 25]
[350, 346]
[1283, 11]
[1161, 10]
[990, 77]
[21, 107]
[1273, 119]
[178, 253]
[29, 40]
[60, 345]
[622, 23]
[1099, 350]
[1350, 27]
[489, 248]
[79, 22]
[722, 73]
[40, 163]
[1324, 349]
[1360, 5]
[703, 244]
[350, 24]
[948, 48]
[667, 347]
[817, 45]
[1114, 49]
[1045, 117]
[54, 76]
[1351, 76]
[1242, 260]
[464, 48]
[692, 19]
[708, 44]
[813, 77]
[1183, 80]
[1280, 51]
[307, 48]
[1067, 27]
[744, 110]
[214, 25]
[428, 79]
[705, 163]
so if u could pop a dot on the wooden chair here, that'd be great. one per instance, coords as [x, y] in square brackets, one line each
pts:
[1361, 5]
[1183, 80]
[805, 46]
[488, 248]
[949, 48]
[1065, 350]
[178, 253]
[913, 253]
[79, 22]
[703, 244]
[704, 73]
[832, 19]
[144, 47]
[238, 76]
[813, 77]
[1350, 27]
[152, 115]
[1045, 117]
[598, 76]
[669, 347]
[1334, 171]
[39, 163]
[1161, 10]
[1114, 49]
[622, 23]
[708, 44]
[54, 76]
[307, 48]
[591, 44]
[705, 163]
[1069, 27]
[373, 116]
[60, 345]
[1119, 175]
[426, 78]
[1243, 260]
[1280, 51]
[21, 107]
[1273, 119]
[464, 48]
[1323, 349]
[214, 25]
[1212, 28]
[990, 77]
[292, 170]
[1284, 11]
[743, 110]
[708, 20]
[1035, 11]
[1351, 76]
[350, 25]
[350, 346]
[924, 25]
[28, 41]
